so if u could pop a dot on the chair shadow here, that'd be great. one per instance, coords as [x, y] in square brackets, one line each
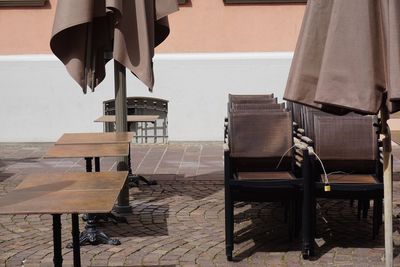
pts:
[339, 226]
[265, 227]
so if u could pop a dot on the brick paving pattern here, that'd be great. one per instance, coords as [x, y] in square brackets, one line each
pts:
[180, 221]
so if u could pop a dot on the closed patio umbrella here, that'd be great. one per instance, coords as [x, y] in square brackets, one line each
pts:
[347, 58]
[88, 33]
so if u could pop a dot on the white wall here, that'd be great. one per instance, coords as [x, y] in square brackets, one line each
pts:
[39, 101]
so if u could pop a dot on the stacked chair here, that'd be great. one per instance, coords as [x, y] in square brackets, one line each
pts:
[346, 163]
[263, 159]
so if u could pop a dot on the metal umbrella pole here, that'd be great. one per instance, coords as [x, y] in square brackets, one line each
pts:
[387, 187]
[121, 126]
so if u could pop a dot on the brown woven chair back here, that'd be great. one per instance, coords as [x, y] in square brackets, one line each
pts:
[260, 134]
[236, 98]
[257, 106]
[256, 101]
[308, 115]
[259, 139]
[346, 143]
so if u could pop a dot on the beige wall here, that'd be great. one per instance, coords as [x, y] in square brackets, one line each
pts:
[26, 30]
[211, 26]
[200, 26]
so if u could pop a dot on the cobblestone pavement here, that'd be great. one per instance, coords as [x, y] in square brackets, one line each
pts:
[180, 221]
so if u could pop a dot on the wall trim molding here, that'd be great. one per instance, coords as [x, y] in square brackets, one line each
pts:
[170, 56]
[21, 3]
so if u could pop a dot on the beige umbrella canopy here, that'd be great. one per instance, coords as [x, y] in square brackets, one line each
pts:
[84, 30]
[348, 56]
[348, 59]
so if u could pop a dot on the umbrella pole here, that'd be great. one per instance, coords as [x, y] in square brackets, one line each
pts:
[121, 126]
[388, 187]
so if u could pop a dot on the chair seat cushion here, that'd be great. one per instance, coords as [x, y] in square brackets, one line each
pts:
[351, 179]
[261, 176]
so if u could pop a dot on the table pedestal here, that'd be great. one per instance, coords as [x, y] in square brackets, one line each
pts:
[94, 236]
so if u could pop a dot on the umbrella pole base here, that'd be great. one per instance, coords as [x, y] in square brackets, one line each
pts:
[134, 180]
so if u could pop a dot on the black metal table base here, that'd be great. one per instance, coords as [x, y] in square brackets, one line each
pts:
[94, 236]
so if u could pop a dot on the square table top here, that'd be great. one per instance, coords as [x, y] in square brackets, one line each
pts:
[130, 118]
[95, 138]
[60, 193]
[88, 151]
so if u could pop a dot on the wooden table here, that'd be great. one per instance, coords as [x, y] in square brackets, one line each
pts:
[105, 138]
[95, 138]
[90, 151]
[65, 193]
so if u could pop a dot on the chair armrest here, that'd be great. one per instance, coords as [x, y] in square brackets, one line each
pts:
[300, 131]
[307, 140]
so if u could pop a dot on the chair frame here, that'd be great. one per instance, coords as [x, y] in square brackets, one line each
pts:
[287, 191]
[314, 188]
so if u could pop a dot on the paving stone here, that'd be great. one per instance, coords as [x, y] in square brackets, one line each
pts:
[180, 221]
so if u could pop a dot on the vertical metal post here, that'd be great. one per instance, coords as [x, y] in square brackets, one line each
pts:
[387, 187]
[121, 126]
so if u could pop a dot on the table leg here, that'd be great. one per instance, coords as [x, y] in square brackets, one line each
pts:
[97, 164]
[75, 240]
[57, 259]
[88, 164]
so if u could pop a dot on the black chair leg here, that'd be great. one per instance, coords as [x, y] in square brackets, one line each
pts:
[298, 214]
[380, 211]
[359, 208]
[286, 210]
[291, 219]
[365, 208]
[229, 228]
[375, 222]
